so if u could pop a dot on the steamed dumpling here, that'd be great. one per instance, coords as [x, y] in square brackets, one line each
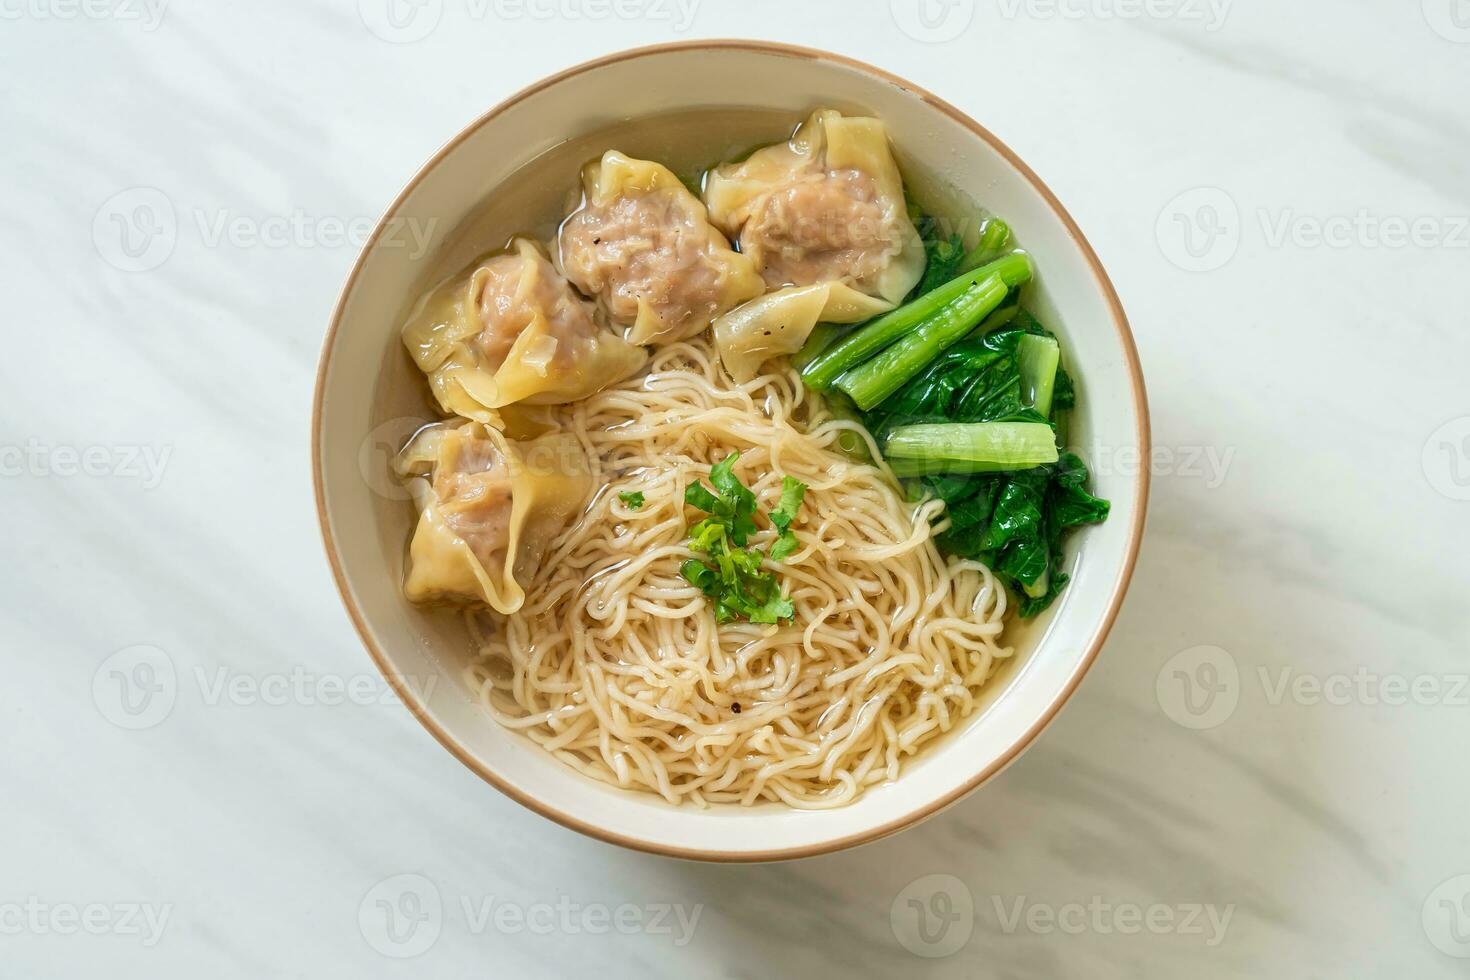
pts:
[488, 508]
[643, 245]
[779, 323]
[514, 331]
[827, 206]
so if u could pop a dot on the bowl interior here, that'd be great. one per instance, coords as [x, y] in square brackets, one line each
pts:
[690, 106]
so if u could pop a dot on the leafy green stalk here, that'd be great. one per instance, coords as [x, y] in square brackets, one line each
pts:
[1002, 315]
[880, 332]
[976, 380]
[821, 337]
[871, 382]
[995, 236]
[974, 447]
[1038, 358]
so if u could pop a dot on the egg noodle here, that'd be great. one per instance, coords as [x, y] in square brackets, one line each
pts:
[615, 664]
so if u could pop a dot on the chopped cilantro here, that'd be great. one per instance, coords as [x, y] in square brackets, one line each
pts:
[792, 493]
[731, 574]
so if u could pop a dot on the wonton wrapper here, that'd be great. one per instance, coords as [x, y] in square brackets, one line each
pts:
[643, 245]
[828, 205]
[779, 323]
[514, 331]
[488, 509]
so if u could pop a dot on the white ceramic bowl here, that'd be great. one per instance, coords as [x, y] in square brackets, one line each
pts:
[366, 403]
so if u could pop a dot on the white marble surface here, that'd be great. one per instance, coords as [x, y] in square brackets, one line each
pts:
[1305, 518]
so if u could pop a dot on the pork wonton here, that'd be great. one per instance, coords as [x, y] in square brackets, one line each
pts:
[488, 508]
[514, 331]
[643, 245]
[826, 206]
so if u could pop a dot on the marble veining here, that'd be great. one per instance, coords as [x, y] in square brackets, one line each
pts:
[1262, 776]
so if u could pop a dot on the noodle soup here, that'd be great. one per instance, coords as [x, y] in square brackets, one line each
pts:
[742, 467]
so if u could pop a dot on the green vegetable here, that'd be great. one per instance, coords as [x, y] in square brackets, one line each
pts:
[1038, 358]
[977, 447]
[973, 416]
[821, 337]
[976, 380]
[1003, 315]
[880, 332]
[733, 576]
[1063, 395]
[634, 500]
[944, 257]
[995, 236]
[871, 382]
[1016, 524]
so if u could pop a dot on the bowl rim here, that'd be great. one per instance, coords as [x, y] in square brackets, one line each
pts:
[419, 709]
